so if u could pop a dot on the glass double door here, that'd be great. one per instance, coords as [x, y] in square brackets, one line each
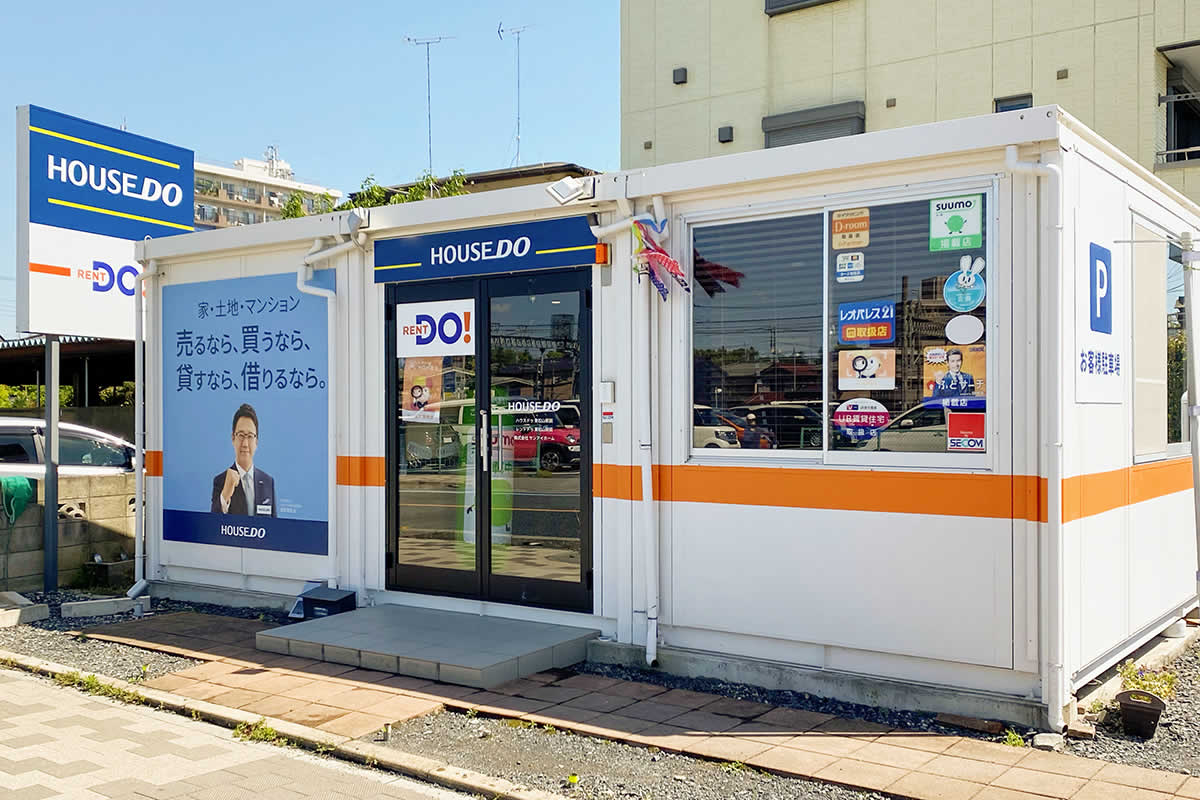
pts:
[489, 452]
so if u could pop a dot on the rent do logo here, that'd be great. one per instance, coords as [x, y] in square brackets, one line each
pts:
[448, 328]
[104, 278]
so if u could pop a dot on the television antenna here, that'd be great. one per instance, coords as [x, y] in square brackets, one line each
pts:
[516, 34]
[426, 42]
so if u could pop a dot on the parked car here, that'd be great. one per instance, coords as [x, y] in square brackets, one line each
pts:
[82, 451]
[709, 430]
[922, 428]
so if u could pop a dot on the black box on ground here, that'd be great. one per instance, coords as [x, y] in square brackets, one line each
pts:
[323, 601]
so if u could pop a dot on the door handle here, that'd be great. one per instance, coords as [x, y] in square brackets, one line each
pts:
[485, 440]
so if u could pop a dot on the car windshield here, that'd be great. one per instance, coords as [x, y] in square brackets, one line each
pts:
[732, 419]
[706, 416]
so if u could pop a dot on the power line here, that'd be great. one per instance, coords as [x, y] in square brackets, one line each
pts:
[427, 41]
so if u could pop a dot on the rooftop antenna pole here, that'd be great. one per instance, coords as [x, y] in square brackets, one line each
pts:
[428, 40]
[516, 32]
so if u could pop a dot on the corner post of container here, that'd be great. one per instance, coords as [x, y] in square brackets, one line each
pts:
[149, 270]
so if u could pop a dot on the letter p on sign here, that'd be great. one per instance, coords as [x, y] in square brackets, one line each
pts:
[1100, 308]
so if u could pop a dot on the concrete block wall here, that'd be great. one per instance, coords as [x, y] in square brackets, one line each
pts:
[106, 527]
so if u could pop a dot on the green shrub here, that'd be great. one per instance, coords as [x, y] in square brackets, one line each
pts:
[1156, 681]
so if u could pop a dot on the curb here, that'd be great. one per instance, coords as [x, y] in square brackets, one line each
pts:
[345, 748]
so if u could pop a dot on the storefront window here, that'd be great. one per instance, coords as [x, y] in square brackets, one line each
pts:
[757, 334]
[1176, 348]
[908, 311]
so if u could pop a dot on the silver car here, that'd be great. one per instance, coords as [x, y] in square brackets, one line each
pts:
[82, 451]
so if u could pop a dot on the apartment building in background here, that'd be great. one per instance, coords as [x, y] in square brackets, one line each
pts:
[249, 191]
[706, 77]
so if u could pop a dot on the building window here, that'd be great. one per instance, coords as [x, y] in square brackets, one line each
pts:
[1183, 121]
[774, 7]
[812, 124]
[859, 329]
[757, 333]
[1014, 103]
[206, 213]
[908, 322]
[206, 186]
[1159, 347]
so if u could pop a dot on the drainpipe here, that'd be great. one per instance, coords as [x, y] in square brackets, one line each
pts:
[1053, 674]
[304, 273]
[139, 434]
[644, 365]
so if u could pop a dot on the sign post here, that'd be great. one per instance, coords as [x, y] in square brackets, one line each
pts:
[50, 516]
[86, 193]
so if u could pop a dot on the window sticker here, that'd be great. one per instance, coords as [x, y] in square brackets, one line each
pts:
[850, 268]
[956, 223]
[867, 370]
[965, 290]
[955, 371]
[851, 228]
[870, 322]
[422, 389]
[861, 418]
[964, 329]
[966, 432]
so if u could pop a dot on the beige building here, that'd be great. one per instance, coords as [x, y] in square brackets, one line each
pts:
[249, 191]
[706, 77]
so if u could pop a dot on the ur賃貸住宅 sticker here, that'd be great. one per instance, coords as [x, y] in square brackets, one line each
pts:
[965, 289]
[859, 419]
[956, 223]
[850, 268]
[851, 227]
[867, 369]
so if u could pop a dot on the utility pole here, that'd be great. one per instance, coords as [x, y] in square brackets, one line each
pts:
[427, 41]
[516, 33]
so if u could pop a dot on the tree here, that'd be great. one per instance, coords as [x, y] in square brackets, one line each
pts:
[118, 395]
[1176, 384]
[32, 395]
[371, 195]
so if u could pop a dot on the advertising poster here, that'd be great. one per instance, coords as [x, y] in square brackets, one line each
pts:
[870, 322]
[859, 419]
[246, 414]
[867, 370]
[422, 389]
[952, 371]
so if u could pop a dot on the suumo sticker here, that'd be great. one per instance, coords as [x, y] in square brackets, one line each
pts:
[965, 290]
[956, 223]
[867, 370]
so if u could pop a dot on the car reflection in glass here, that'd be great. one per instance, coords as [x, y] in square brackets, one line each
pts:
[922, 428]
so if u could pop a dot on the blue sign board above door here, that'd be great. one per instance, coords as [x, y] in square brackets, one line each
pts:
[546, 244]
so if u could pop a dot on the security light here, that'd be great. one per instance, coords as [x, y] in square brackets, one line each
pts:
[569, 188]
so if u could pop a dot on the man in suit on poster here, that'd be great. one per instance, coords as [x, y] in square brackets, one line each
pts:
[244, 489]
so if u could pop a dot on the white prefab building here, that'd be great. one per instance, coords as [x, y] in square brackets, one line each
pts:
[908, 426]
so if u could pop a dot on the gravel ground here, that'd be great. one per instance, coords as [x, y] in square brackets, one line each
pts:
[49, 639]
[1176, 743]
[543, 759]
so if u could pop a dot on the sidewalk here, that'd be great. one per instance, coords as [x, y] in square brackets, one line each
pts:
[59, 743]
[354, 702]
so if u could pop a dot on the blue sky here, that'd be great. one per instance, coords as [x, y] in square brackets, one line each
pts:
[334, 86]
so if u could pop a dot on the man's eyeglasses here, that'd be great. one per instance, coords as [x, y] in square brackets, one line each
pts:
[242, 436]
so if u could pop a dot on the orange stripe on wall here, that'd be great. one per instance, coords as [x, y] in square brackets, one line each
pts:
[1088, 495]
[49, 269]
[361, 471]
[968, 495]
[617, 481]
[154, 463]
